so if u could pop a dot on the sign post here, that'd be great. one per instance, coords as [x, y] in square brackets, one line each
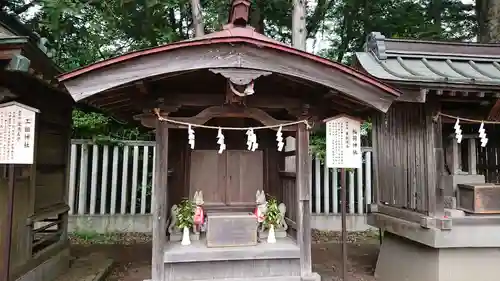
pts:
[343, 150]
[17, 141]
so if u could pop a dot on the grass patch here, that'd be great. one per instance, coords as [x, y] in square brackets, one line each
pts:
[90, 237]
[357, 237]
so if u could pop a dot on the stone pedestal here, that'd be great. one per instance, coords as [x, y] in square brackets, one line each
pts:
[263, 262]
[468, 250]
[418, 262]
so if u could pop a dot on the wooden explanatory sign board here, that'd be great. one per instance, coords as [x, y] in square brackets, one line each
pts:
[343, 142]
[17, 133]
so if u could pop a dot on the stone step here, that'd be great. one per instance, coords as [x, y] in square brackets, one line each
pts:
[93, 267]
[275, 278]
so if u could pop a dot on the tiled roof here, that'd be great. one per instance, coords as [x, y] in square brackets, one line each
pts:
[430, 61]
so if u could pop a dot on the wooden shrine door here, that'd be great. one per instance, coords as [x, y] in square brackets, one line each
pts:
[230, 179]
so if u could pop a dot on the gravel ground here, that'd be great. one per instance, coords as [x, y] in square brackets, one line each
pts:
[132, 254]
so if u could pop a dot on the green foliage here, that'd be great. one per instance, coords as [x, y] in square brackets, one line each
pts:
[350, 21]
[83, 32]
[104, 130]
[185, 214]
[272, 214]
[317, 144]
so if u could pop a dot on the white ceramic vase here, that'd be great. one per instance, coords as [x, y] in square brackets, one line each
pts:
[271, 237]
[186, 240]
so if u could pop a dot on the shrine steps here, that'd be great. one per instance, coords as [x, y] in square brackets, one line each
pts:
[279, 278]
[263, 262]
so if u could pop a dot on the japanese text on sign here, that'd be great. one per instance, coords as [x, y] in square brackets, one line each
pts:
[343, 142]
[17, 133]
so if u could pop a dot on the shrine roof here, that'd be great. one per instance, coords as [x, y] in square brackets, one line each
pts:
[231, 35]
[25, 59]
[401, 60]
[237, 46]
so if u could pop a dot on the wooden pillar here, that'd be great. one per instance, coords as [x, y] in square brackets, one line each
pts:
[303, 172]
[455, 157]
[160, 202]
[375, 146]
[434, 159]
[472, 157]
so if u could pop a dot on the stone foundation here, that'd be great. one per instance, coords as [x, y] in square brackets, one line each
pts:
[263, 262]
[418, 262]
[49, 269]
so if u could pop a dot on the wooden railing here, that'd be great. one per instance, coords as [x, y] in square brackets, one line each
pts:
[117, 180]
[326, 187]
[47, 227]
[289, 195]
[111, 179]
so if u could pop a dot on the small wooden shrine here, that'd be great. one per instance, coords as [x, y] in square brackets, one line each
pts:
[436, 162]
[211, 100]
[32, 196]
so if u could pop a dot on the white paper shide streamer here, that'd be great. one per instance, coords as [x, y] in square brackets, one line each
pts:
[279, 139]
[252, 140]
[191, 137]
[220, 141]
[482, 135]
[458, 131]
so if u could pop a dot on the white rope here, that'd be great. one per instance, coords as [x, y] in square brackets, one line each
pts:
[467, 119]
[163, 119]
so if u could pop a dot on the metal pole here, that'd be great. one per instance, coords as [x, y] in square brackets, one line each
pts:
[8, 235]
[343, 196]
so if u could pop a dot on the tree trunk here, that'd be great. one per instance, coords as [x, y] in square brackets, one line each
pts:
[199, 29]
[435, 9]
[257, 18]
[488, 17]
[314, 22]
[299, 32]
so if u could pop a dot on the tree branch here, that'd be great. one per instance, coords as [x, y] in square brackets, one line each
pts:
[318, 16]
[25, 7]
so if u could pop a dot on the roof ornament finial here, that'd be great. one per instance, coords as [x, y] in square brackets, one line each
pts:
[240, 10]
[375, 43]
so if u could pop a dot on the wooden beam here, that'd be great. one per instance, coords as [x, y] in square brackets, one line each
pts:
[219, 112]
[141, 102]
[159, 204]
[202, 100]
[303, 166]
[418, 96]
[141, 86]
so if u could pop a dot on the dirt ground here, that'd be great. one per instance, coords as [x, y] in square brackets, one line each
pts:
[132, 255]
